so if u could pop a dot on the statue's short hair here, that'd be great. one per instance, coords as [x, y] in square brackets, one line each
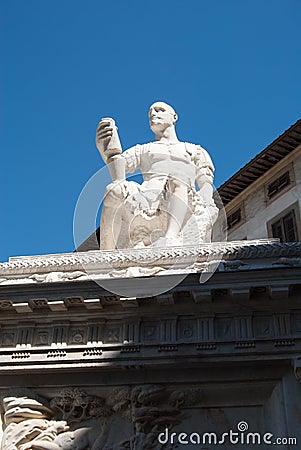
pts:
[170, 108]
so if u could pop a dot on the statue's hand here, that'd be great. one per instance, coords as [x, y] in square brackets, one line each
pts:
[104, 134]
[107, 140]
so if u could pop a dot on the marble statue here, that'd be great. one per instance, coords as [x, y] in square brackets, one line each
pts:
[166, 209]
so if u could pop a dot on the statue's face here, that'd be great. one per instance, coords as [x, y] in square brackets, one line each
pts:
[161, 116]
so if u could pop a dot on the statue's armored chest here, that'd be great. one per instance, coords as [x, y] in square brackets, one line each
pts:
[167, 153]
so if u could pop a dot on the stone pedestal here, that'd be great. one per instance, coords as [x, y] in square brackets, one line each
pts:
[84, 368]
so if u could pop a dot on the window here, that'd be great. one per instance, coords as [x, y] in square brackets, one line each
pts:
[286, 226]
[234, 218]
[278, 185]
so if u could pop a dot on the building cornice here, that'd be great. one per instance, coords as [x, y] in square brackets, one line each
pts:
[285, 144]
[74, 265]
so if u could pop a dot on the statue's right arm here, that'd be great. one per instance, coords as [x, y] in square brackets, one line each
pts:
[132, 157]
[107, 141]
[109, 147]
[108, 144]
[123, 163]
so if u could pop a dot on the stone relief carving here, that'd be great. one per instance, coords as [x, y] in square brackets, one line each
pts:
[74, 405]
[297, 368]
[136, 272]
[150, 261]
[288, 262]
[234, 265]
[28, 423]
[166, 209]
[51, 277]
[147, 257]
[125, 418]
[57, 276]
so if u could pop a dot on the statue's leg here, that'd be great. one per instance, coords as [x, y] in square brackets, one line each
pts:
[111, 217]
[177, 208]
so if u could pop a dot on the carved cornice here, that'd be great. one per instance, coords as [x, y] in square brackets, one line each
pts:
[106, 261]
[136, 341]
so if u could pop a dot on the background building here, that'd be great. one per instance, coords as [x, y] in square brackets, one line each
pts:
[263, 199]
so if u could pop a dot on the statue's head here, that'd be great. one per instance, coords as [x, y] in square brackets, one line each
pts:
[161, 115]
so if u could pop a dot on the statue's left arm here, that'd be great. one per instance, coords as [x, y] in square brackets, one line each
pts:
[204, 175]
[204, 179]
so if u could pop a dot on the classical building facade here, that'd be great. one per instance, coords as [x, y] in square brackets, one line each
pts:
[212, 360]
[85, 369]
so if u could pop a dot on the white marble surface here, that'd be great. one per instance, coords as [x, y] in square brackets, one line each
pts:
[166, 209]
[151, 261]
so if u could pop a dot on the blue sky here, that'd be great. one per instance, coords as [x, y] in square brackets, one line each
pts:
[231, 69]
